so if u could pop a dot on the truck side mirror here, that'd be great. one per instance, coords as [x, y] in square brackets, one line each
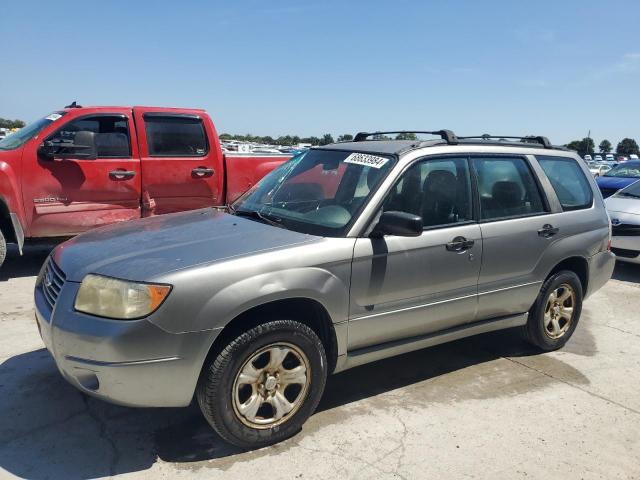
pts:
[46, 150]
[83, 147]
[402, 224]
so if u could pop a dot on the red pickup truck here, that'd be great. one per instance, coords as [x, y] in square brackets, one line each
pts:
[83, 167]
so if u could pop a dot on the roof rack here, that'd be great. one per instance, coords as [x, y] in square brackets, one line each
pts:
[544, 141]
[446, 135]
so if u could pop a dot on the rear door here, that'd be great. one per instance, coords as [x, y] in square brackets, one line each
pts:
[68, 196]
[517, 228]
[181, 160]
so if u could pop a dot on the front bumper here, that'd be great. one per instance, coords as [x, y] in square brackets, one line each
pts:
[132, 363]
[627, 248]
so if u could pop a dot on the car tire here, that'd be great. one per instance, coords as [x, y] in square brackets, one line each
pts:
[555, 314]
[3, 248]
[229, 387]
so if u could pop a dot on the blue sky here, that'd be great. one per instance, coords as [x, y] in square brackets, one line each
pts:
[557, 68]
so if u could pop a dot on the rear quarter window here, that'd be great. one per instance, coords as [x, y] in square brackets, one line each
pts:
[569, 182]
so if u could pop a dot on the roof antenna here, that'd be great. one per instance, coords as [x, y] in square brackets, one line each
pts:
[73, 105]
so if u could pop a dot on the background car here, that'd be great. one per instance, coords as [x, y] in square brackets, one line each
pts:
[624, 211]
[598, 169]
[619, 177]
[598, 158]
[588, 158]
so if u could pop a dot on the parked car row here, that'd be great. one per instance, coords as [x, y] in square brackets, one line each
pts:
[347, 254]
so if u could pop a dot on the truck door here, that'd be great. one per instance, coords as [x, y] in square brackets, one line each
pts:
[181, 160]
[91, 178]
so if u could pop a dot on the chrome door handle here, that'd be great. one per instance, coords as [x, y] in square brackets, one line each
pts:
[121, 174]
[459, 244]
[548, 230]
[202, 172]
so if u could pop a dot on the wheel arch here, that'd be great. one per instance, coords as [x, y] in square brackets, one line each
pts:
[6, 224]
[578, 265]
[305, 310]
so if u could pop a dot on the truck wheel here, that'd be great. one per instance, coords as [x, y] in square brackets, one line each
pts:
[555, 314]
[3, 248]
[263, 385]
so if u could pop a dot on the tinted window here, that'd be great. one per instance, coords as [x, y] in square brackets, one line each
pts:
[568, 180]
[438, 190]
[105, 135]
[507, 188]
[173, 136]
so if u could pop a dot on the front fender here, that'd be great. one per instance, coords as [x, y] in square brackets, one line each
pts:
[314, 283]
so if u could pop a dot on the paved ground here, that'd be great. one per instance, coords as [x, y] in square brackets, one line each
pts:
[487, 407]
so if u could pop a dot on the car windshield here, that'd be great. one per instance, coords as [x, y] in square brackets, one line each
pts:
[632, 191]
[625, 170]
[319, 192]
[20, 137]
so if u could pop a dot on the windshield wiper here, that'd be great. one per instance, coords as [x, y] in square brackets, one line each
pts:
[258, 215]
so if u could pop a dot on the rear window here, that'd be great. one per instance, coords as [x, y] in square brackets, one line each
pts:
[568, 181]
[175, 136]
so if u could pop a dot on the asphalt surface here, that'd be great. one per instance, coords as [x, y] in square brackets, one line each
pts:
[486, 407]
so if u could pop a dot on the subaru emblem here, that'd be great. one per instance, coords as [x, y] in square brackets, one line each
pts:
[615, 222]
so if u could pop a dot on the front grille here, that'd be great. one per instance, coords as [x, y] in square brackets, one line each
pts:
[625, 230]
[52, 281]
[624, 253]
[607, 192]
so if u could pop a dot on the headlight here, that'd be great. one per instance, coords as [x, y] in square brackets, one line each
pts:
[113, 298]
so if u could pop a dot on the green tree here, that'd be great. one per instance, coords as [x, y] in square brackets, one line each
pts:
[6, 123]
[406, 136]
[326, 139]
[627, 146]
[347, 137]
[586, 146]
[605, 147]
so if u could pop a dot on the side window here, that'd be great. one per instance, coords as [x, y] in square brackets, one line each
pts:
[438, 190]
[105, 136]
[568, 180]
[175, 136]
[507, 188]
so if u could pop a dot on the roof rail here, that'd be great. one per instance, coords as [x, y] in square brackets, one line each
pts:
[446, 135]
[544, 141]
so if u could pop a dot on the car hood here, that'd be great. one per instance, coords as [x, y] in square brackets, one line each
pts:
[623, 205]
[143, 249]
[614, 182]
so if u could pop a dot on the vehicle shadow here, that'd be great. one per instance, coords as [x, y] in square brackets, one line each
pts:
[626, 272]
[50, 430]
[26, 265]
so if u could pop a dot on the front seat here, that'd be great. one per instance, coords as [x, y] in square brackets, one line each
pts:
[507, 198]
[439, 200]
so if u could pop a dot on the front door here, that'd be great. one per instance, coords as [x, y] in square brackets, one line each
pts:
[409, 286]
[67, 196]
[181, 163]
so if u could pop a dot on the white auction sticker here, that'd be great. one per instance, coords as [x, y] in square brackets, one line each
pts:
[367, 160]
[53, 117]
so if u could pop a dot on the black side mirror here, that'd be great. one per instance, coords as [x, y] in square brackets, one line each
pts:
[402, 224]
[83, 146]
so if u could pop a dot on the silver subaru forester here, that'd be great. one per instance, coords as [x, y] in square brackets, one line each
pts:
[346, 254]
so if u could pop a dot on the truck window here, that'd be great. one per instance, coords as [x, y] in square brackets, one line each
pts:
[108, 133]
[175, 136]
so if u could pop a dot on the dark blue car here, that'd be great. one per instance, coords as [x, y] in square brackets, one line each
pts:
[619, 177]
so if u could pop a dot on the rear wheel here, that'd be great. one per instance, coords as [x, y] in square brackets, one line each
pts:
[264, 384]
[555, 314]
[3, 248]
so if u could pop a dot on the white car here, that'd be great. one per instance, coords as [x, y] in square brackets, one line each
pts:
[598, 169]
[587, 158]
[624, 212]
[633, 156]
[598, 158]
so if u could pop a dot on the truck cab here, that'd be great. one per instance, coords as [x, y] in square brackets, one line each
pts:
[83, 167]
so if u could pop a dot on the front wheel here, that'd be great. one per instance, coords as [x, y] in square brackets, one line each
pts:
[264, 384]
[555, 314]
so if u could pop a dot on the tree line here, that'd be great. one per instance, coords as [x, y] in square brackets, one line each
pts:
[586, 146]
[291, 140]
[6, 123]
